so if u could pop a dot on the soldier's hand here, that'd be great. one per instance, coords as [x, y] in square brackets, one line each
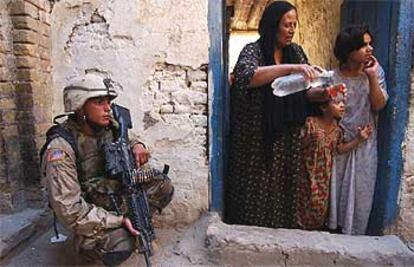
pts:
[128, 225]
[141, 154]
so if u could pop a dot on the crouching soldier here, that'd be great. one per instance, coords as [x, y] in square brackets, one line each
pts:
[83, 198]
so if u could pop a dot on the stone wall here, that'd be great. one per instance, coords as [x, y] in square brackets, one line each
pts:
[158, 56]
[24, 102]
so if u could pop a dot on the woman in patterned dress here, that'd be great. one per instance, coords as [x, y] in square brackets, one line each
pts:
[266, 151]
[356, 171]
[322, 139]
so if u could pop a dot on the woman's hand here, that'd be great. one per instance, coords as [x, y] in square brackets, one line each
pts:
[310, 72]
[128, 225]
[371, 67]
[141, 154]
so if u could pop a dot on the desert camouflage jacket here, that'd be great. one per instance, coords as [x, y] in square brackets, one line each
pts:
[80, 200]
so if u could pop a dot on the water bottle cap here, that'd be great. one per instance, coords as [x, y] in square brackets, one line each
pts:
[326, 74]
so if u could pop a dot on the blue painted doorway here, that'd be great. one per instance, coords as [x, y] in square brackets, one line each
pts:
[218, 102]
[392, 25]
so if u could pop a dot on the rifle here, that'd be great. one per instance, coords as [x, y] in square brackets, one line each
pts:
[120, 164]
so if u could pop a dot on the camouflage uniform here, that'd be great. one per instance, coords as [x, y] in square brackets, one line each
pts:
[81, 201]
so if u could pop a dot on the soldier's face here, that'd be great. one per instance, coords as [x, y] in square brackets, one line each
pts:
[98, 110]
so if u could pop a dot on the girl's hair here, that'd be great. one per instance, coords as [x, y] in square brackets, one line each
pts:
[348, 40]
[268, 28]
[317, 108]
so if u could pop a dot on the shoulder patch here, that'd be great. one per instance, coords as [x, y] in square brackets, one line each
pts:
[55, 155]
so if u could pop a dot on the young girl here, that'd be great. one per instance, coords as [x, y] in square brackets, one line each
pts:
[322, 138]
[356, 171]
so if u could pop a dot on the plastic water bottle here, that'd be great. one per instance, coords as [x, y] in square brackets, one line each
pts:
[290, 84]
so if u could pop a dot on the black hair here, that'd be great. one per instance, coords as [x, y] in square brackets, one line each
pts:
[280, 113]
[268, 27]
[317, 108]
[348, 40]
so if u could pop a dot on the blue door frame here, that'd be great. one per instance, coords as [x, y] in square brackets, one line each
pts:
[218, 103]
[391, 23]
[394, 119]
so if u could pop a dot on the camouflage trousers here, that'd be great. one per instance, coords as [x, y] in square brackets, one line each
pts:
[113, 246]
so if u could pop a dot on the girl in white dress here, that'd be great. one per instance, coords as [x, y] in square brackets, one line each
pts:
[354, 173]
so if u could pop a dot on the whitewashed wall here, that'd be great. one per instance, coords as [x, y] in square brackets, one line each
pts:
[159, 57]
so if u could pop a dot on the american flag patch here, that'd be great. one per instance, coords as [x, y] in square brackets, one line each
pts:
[55, 155]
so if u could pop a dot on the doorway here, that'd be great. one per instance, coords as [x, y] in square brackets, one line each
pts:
[393, 119]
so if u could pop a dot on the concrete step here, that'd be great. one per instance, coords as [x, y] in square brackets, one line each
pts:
[16, 228]
[236, 245]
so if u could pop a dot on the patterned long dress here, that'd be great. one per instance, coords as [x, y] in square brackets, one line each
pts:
[355, 172]
[259, 193]
[314, 188]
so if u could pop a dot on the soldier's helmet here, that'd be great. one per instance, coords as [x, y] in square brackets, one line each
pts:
[87, 86]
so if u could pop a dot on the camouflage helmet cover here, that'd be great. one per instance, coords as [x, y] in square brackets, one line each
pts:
[80, 89]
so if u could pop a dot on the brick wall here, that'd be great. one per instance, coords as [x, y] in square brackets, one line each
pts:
[11, 187]
[177, 104]
[25, 100]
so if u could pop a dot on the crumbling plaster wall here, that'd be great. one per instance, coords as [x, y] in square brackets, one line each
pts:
[159, 58]
[319, 23]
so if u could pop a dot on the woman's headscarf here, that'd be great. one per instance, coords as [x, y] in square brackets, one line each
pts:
[281, 113]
